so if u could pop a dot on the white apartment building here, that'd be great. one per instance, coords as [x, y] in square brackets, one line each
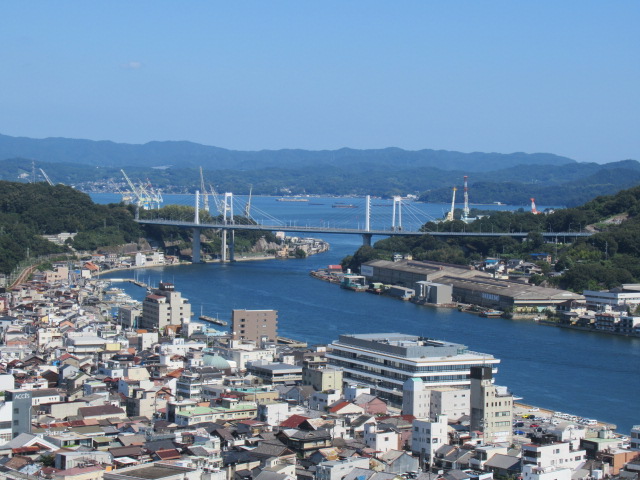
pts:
[385, 361]
[242, 353]
[553, 455]
[423, 402]
[321, 400]
[380, 438]
[338, 469]
[531, 472]
[428, 436]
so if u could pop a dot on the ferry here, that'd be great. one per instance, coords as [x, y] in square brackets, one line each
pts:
[491, 313]
[354, 282]
[292, 199]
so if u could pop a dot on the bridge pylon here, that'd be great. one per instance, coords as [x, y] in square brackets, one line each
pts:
[227, 217]
[397, 207]
[195, 242]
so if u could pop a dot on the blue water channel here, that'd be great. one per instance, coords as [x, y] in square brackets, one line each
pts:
[583, 373]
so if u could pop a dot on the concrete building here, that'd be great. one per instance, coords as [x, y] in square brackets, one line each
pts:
[617, 298]
[129, 316]
[553, 455]
[322, 378]
[432, 292]
[428, 436]
[491, 407]
[276, 373]
[15, 414]
[385, 361]
[381, 437]
[338, 469]
[423, 402]
[164, 307]
[254, 325]
[635, 438]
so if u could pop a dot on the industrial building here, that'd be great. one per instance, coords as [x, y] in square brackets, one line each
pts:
[467, 285]
[385, 361]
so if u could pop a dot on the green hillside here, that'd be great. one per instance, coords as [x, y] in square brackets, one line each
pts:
[608, 258]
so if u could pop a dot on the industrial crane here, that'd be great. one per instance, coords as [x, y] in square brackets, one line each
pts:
[143, 200]
[46, 177]
[453, 206]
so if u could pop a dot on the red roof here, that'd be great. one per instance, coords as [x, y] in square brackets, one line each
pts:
[168, 454]
[338, 407]
[294, 421]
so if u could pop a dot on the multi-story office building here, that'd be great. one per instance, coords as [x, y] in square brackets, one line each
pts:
[491, 407]
[254, 325]
[384, 361]
[164, 307]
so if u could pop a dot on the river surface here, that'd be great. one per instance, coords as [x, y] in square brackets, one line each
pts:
[588, 374]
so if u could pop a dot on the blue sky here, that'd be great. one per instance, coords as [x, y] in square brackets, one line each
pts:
[503, 76]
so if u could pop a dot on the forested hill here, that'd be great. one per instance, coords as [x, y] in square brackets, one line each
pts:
[28, 211]
[607, 259]
[188, 154]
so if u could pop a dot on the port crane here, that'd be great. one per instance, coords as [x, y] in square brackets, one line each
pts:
[145, 198]
[449, 217]
[46, 177]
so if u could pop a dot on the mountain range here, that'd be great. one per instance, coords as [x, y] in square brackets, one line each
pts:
[174, 166]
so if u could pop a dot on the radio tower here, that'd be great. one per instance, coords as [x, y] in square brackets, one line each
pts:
[465, 210]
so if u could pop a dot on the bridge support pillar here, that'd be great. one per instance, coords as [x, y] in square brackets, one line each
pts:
[223, 248]
[366, 239]
[232, 247]
[195, 246]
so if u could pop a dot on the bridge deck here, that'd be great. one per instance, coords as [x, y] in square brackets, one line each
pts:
[355, 231]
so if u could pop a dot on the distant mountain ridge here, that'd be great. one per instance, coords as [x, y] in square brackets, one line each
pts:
[188, 154]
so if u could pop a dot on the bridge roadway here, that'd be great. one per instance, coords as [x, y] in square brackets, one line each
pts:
[367, 234]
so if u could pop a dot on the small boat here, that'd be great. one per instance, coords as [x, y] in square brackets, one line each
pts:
[343, 205]
[491, 313]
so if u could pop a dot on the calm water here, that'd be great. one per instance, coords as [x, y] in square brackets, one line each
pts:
[588, 374]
